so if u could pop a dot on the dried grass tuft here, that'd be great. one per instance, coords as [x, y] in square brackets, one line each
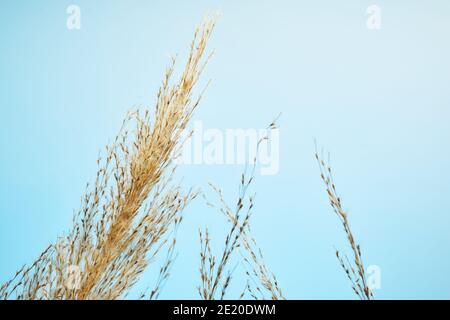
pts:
[215, 273]
[125, 216]
[355, 270]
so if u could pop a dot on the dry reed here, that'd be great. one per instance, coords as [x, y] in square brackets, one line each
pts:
[215, 274]
[125, 216]
[355, 271]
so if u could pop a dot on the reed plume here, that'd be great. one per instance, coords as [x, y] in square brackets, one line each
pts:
[125, 217]
[215, 273]
[355, 270]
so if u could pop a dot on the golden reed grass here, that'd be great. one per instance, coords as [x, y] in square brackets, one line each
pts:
[355, 271]
[133, 210]
[128, 211]
[215, 273]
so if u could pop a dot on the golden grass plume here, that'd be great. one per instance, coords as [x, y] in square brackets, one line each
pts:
[125, 215]
[215, 273]
[355, 270]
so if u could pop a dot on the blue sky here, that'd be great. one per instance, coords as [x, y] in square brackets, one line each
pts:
[377, 100]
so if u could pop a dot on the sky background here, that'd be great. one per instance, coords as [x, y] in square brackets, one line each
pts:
[378, 101]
